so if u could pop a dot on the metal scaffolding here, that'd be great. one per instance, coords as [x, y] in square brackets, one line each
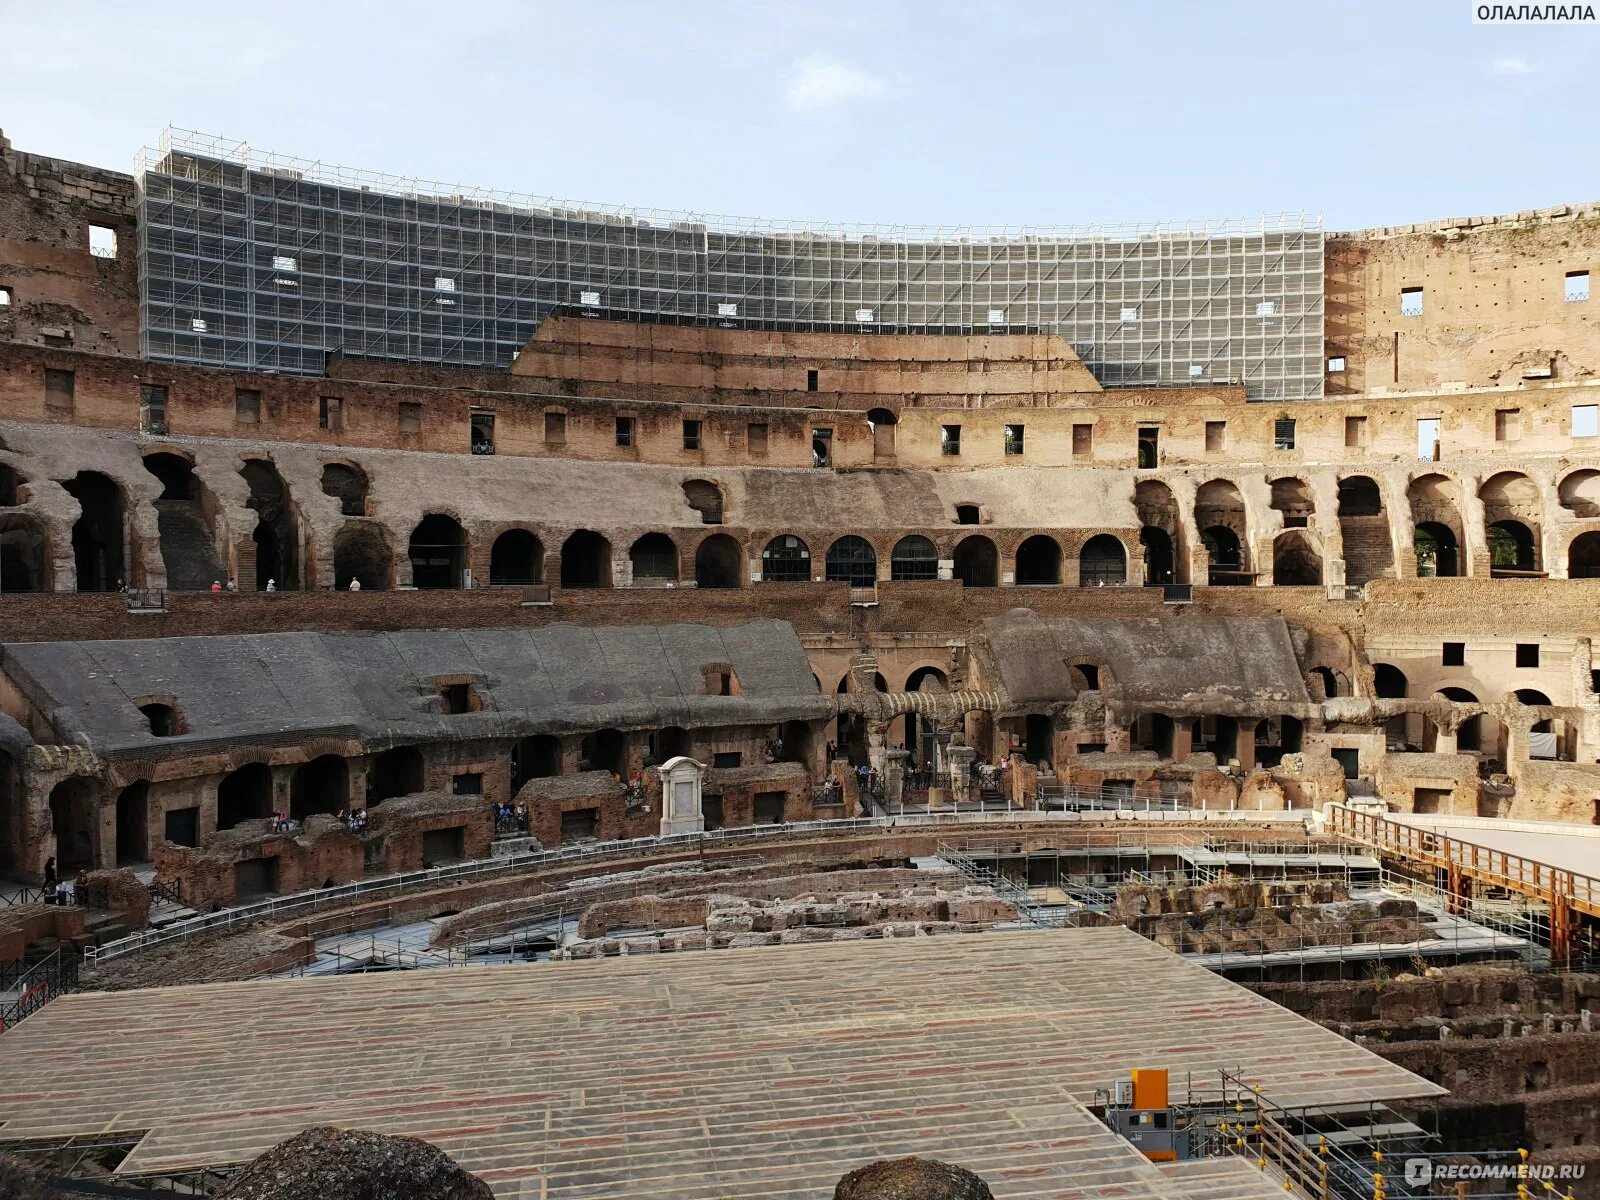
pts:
[260, 261]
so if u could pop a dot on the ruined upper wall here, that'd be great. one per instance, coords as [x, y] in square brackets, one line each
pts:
[582, 357]
[1493, 303]
[61, 295]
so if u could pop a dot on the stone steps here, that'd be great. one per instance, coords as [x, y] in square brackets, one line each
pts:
[186, 547]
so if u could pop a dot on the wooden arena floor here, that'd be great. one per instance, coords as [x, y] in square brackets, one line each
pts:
[733, 1073]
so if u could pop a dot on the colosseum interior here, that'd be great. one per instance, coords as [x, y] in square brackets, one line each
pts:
[695, 669]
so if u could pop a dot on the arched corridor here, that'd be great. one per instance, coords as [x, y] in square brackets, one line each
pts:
[585, 561]
[438, 552]
[517, 557]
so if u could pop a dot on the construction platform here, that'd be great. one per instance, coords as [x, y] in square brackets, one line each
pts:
[734, 1074]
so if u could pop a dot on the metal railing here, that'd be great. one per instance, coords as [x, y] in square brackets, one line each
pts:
[302, 903]
[35, 985]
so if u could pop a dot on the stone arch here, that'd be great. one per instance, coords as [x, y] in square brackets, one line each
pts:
[977, 561]
[75, 823]
[398, 771]
[1159, 558]
[348, 484]
[1389, 681]
[244, 794]
[1329, 680]
[438, 552]
[851, 559]
[1513, 514]
[97, 535]
[924, 678]
[719, 562]
[705, 498]
[1579, 492]
[361, 552]
[13, 486]
[319, 786]
[1225, 555]
[1435, 513]
[1360, 496]
[585, 560]
[1364, 531]
[786, 559]
[604, 750]
[914, 557]
[277, 531]
[882, 422]
[1468, 731]
[1295, 560]
[1103, 562]
[1438, 553]
[1292, 497]
[184, 521]
[1513, 548]
[1038, 561]
[516, 557]
[24, 555]
[654, 559]
[1583, 556]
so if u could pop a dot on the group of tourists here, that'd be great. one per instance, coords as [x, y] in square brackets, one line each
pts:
[64, 891]
[510, 818]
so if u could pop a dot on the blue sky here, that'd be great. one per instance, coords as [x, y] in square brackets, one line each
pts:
[1001, 113]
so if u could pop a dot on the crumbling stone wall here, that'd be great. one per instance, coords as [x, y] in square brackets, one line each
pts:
[323, 851]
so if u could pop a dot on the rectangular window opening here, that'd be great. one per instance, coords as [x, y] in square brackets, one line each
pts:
[483, 433]
[691, 435]
[1453, 654]
[153, 408]
[555, 429]
[1082, 441]
[102, 241]
[822, 447]
[624, 431]
[330, 413]
[1507, 424]
[755, 437]
[410, 417]
[5, 297]
[1355, 432]
[1149, 447]
[60, 388]
[1336, 365]
[1527, 654]
[1411, 302]
[811, 381]
[1585, 420]
[468, 783]
[1283, 433]
[1577, 287]
[1428, 439]
[1216, 433]
[1014, 436]
[246, 406]
[950, 439]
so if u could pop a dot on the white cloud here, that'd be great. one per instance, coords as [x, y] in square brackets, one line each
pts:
[1516, 65]
[817, 83]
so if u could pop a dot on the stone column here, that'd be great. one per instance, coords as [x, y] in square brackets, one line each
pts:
[960, 756]
[1182, 740]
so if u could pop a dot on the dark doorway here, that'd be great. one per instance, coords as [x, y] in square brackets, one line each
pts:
[319, 786]
[97, 539]
[534, 758]
[133, 815]
[1038, 561]
[244, 794]
[585, 561]
[654, 559]
[1350, 760]
[717, 562]
[580, 825]
[276, 534]
[74, 819]
[361, 553]
[438, 552]
[183, 826]
[977, 562]
[442, 846]
[1103, 562]
[516, 557]
[769, 808]
[396, 772]
[604, 750]
[1039, 738]
[1436, 551]
[1158, 558]
[254, 878]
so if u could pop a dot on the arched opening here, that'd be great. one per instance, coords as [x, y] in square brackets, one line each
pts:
[244, 794]
[517, 557]
[163, 719]
[1468, 732]
[348, 485]
[1583, 556]
[1295, 561]
[1364, 531]
[1225, 556]
[852, 560]
[718, 562]
[319, 786]
[913, 558]
[1220, 736]
[1294, 500]
[395, 772]
[977, 562]
[188, 549]
[1437, 554]
[1579, 493]
[75, 822]
[438, 552]
[1330, 681]
[1360, 496]
[705, 498]
[1103, 562]
[786, 559]
[537, 757]
[654, 558]
[1534, 698]
[850, 730]
[914, 731]
[1389, 681]
[1275, 737]
[1038, 561]
[97, 539]
[22, 555]
[133, 823]
[585, 561]
[1511, 549]
[361, 552]
[1153, 732]
[276, 536]
[669, 743]
[604, 750]
[797, 745]
[1084, 676]
[882, 423]
[1158, 557]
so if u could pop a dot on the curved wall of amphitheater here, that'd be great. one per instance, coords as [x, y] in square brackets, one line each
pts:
[1394, 584]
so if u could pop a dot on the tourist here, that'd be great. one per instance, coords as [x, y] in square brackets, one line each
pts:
[49, 872]
[50, 892]
[64, 892]
[216, 587]
[233, 584]
[355, 585]
[272, 585]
